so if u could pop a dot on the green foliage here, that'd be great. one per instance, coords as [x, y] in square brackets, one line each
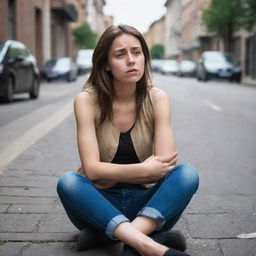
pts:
[84, 37]
[223, 17]
[249, 19]
[157, 51]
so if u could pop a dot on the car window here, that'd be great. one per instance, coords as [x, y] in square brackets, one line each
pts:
[17, 49]
[50, 63]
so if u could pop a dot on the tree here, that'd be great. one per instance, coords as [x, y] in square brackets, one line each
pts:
[224, 17]
[157, 51]
[84, 37]
[249, 19]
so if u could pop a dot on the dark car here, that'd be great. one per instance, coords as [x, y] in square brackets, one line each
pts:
[18, 71]
[59, 68]
[213, 64]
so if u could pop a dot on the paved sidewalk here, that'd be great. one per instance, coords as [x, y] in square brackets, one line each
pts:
[33, 222]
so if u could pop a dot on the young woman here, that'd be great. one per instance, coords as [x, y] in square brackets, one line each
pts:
[129, 187]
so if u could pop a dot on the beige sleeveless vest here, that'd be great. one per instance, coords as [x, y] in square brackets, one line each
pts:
[142, 134]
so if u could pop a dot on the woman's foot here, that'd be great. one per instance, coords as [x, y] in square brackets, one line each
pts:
[173, 252]
[172, 239]
[89, 238]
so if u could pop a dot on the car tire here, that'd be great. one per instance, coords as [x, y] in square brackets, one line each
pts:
[205, 77]
[69, 78]
[35, 89]
[238, 79]
[9, 90]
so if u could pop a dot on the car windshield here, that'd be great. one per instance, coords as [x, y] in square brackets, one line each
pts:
[220, 58]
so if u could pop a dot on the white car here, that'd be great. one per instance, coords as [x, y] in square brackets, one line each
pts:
[169, 67]
[187, 68]
[84, 60]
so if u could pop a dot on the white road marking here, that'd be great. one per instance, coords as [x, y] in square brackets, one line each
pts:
[23, 142]
[12, 130]
[247, 236]
[211, 105]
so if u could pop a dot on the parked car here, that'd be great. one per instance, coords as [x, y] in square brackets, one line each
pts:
[169, 67]
[84, 60]
[59, 68]
[156, 64]
[213, 64]
[186, 68]
[18, 71]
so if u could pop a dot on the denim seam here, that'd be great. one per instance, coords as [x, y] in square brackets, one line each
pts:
[154, 214]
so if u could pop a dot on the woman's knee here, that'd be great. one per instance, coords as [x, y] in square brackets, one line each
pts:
[188, 176]
[66, 181]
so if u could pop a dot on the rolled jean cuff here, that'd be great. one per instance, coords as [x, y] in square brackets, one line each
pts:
[114, 223]
[154, 214]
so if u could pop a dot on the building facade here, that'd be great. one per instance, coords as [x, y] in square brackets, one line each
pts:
[45, 26]
[156, 32]
[96, 17]
[186, 36]
[172, 28]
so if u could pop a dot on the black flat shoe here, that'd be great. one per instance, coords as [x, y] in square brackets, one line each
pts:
[172, 239]
[90, 238]
[173, 252]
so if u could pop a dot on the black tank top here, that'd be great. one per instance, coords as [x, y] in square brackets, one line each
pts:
[125, 154]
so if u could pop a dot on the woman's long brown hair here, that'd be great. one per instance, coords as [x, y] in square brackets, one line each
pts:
[102, 80]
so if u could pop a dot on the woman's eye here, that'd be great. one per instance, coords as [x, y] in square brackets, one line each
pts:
[119, 55]
[137, 52]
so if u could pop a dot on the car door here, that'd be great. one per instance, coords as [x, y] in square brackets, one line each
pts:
[28, 69]
[16, 63]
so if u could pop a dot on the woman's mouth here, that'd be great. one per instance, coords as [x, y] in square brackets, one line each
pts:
[132, 71]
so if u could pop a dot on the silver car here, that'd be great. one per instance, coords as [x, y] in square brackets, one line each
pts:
[213, 64]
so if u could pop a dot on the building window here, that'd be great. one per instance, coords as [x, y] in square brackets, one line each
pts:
[11, 19]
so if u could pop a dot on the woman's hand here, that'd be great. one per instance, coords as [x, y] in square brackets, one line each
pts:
[156, 167]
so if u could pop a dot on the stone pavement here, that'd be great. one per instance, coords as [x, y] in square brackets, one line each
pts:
[33, 222]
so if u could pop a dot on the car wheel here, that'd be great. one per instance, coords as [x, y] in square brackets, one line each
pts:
[238, 79]
[9, 90]
[35, 89]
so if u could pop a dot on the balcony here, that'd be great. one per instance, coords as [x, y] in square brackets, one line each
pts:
[64, 10]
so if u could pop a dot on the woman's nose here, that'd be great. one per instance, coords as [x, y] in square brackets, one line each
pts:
[130, 58]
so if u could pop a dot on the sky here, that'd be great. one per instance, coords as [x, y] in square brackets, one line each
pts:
[137, 13]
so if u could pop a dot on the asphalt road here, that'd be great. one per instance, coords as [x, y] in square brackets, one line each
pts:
[214, 125]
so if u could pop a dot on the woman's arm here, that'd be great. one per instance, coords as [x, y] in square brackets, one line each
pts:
[101, 172]
[164, 144]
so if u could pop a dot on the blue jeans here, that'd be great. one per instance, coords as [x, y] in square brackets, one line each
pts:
[105, 209]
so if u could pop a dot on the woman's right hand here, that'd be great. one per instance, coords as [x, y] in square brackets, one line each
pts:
[156, 167]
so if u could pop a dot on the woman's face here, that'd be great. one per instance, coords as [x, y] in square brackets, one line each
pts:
[126, 59]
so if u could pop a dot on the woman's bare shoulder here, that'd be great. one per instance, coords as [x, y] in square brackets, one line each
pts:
[158, 94]
[84, 98]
